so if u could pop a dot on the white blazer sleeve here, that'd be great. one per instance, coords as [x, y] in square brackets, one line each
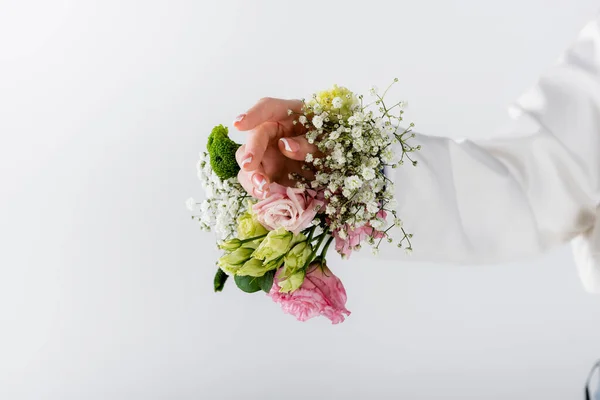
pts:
[531, 188]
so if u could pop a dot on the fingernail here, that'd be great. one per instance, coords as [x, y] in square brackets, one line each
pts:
[247, 160]
[290, 145]
[239, 118]
[259, 194]
[259, 181]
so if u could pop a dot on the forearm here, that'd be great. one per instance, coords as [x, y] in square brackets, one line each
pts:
[491, 201]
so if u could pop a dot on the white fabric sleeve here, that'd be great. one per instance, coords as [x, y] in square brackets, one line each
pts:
[533, 187]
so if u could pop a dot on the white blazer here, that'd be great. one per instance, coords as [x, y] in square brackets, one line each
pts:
[533, 187]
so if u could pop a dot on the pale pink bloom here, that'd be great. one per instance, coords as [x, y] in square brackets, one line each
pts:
[356, 236]
[321, 293]
[291, 208]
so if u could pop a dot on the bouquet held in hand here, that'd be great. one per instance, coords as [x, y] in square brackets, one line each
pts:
[275, 235]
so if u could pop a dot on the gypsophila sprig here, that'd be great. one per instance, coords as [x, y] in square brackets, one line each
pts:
[357, 139]
[225, 202]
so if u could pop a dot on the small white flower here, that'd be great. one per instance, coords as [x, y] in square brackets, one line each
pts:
[356, 132]
[408, 250]
[342, 234]
[376, 223]
[317, 121]
[204, 206]
[330, 210]
[352, 182]
[358, 144]
[375, 251]
[317, 109]
[302, 119]
[377, 185]
[190, 204]
[337, 102]
[373, 207]
[373, 90]
[368, 173]
[309, 158]
[289, 111]
[387, 155]
[334, 135]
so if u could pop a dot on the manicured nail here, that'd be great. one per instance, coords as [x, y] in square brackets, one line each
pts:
[259, 181]
[247, 160]
[259, 194]
[290, 145]
[239, 118]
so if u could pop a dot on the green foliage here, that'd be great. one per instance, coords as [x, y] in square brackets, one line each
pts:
[248, 284]
[220, 279]
[266, 281]
[251, 284]
[222, 153]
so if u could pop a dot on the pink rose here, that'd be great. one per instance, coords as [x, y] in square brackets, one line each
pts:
[356, 236]
[321, 293]
[287, 207]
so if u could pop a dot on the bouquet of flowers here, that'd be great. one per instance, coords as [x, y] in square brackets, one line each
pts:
[279, 244]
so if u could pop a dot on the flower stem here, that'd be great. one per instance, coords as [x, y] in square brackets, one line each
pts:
[315, 249]
[253, 238]
[310, 233]
[326, 247]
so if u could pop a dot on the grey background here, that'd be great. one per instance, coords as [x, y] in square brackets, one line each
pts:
[105, 282]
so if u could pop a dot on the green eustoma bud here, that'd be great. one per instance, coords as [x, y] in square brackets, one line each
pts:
[252, 267]
[293, 282]
[232, 262]
[230, 245]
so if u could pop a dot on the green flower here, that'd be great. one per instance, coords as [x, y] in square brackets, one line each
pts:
[248, 225]
[252, 267]
[232, 262]
[297, 257]
[293, 282]
[275, 245]
[230, 245]
[257, 268]
[335, 101]
[222, 153]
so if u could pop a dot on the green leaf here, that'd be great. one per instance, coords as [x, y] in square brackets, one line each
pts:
[266, 281]
[248, 284]
[220, 279]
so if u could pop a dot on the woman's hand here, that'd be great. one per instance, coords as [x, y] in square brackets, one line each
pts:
[275, 148]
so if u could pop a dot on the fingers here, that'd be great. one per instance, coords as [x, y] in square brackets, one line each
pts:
[250, 156]
[266, 109]
[255, 181]
[297, 148]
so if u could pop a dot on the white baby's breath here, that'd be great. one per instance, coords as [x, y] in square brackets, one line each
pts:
[317, 121]
[191, 204]
[224, 201]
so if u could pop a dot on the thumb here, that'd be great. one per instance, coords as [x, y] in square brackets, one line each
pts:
[297, 148]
